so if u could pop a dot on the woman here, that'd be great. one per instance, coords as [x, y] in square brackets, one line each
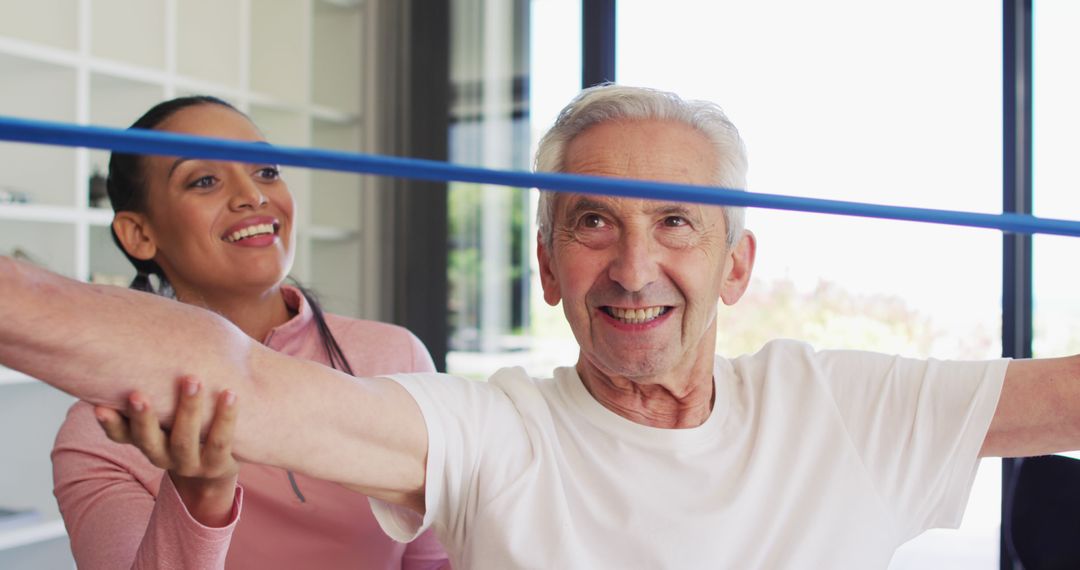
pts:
[219, 235]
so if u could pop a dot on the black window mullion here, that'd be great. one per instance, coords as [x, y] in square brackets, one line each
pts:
[1016, 324]
[597, 42]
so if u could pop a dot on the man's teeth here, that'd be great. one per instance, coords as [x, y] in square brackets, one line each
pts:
[636, 316]
[256, 230]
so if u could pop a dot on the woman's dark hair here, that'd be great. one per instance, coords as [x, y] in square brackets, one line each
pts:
[127, 189]
[330, 344]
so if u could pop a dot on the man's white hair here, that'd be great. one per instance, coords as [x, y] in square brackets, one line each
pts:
[609, 102]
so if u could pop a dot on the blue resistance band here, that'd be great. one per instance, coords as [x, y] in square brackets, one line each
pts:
[171, 144]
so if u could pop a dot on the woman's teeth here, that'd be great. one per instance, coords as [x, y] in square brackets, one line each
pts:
[256, 230]
[635, 316]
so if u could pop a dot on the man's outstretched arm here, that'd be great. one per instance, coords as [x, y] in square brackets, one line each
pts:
[1039, 409]
[99, 343]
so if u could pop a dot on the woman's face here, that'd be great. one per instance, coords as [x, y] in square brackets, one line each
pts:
[218, 227]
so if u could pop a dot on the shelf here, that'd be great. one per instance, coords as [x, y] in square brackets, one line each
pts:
[47, 244]
[334, 116]
[208, 45]
[336, 275]
[13, 47]
[281, 127]
[336, 196]
[47, 22]
[107, 262]
[343, 3]
[113, 37]
[55, 214]
[330, 233]
[123, 70]
[31, 533]
[186, 85]
[337, 49]
[256, 99]
[280, 50]
[45, 173]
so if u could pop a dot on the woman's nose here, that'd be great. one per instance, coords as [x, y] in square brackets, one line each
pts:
[247, 194]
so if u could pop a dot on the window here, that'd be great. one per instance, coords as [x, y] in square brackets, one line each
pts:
[1056, 89]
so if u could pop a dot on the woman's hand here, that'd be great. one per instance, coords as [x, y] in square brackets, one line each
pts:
[204, 473]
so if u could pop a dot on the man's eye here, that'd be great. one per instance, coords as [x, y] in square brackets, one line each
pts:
[592, 221]
[675, 222]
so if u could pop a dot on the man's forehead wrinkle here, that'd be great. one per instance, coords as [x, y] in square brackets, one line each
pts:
[604, 164]
[658, 207]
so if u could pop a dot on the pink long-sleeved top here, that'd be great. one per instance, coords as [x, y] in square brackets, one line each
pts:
[122, 512]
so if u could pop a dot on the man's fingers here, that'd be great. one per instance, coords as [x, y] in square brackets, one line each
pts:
[146, 432]
[115, 426]
[184, 435]
[217, 452]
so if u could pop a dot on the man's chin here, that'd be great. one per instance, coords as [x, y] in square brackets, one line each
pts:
[633, 367]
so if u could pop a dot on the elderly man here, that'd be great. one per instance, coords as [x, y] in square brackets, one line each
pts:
[651, 451]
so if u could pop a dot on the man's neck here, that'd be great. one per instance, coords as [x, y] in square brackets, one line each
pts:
[677, 400]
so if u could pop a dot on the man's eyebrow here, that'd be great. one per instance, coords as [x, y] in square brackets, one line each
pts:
[584, 205]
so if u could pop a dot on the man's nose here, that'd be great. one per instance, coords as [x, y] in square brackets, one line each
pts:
[635, 265]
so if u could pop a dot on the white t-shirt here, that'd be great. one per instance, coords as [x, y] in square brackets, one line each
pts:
[808, 460]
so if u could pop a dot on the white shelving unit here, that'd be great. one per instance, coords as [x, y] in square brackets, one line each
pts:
[296, 66]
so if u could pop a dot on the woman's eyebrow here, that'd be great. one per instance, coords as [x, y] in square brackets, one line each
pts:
[184, 159]
[177, 163]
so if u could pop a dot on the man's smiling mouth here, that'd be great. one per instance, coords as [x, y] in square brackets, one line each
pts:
[636, 316]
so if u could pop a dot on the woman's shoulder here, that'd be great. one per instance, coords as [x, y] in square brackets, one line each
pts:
[375, 347]
[80, 425]
[364, 328]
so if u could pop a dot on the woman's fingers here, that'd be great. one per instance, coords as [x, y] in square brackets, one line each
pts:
[146, 432]
[217, 451]
[180, 449]
[184, 436]
[115, 426]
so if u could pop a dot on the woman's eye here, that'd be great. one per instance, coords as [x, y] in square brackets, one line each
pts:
[270, 173]
[675, 222]
[203, 182]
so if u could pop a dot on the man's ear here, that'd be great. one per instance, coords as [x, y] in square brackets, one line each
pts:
[552, 295]
[739, 266]
[133, 232]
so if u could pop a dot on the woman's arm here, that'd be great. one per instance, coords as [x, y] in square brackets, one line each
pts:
[113, 517]
[99, 343]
